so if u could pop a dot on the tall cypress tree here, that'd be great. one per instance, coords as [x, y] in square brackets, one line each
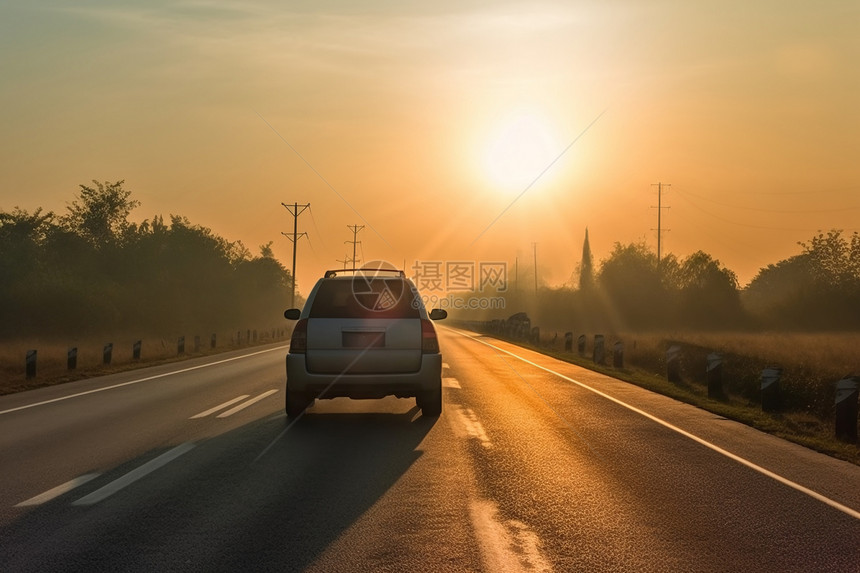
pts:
[586, 269]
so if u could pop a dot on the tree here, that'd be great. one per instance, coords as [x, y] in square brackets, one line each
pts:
[100, 213]
[708, 292]
[632, 281]
[819, 288]
[586, 270]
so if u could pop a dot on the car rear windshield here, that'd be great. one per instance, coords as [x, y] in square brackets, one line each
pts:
[365, 297]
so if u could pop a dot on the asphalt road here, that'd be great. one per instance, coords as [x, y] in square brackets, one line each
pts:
[535, 465]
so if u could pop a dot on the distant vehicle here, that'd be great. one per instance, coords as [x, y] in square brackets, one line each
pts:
[364, 335]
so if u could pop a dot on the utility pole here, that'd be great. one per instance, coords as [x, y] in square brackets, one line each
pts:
[517, 275]
[660, 208]
[295, 210]
[344, 260]
[355, 229]
[534, 246]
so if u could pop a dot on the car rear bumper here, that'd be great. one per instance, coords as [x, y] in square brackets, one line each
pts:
[402, 385]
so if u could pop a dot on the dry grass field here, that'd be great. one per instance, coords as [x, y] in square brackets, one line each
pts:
[52, 356]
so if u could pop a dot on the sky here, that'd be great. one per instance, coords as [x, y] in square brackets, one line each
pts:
[453, 131]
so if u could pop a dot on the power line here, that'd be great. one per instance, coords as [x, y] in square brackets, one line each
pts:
[767, 210]
[295, 210]
[763, 227]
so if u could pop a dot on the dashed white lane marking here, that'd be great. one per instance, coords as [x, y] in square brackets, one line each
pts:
[219, 407]
[474, 429]
[450, 383]
[58, 491]
[743, 461]
[134, 475]
[445, 365]
[244, 405]
[509, 547]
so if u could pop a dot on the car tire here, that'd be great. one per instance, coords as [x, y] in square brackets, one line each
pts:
[296, 404]
[431, 402]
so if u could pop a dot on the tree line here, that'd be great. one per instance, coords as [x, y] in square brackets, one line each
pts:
[91, 271]
[816, 289]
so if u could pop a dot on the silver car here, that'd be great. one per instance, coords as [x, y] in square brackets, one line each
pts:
[364, 335]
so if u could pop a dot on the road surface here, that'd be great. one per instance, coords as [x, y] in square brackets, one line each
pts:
[535, 465]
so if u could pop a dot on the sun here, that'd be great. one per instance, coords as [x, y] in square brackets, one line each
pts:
[519, 150]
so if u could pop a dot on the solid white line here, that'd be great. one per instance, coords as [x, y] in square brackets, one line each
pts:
[220, 407]
[148, 378]
[58, 491]
[134, 475]
[785, 481]
[244, 405]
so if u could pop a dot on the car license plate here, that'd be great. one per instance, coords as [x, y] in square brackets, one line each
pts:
[364, 339]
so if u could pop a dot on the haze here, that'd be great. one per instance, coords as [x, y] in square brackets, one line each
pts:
[426, 123]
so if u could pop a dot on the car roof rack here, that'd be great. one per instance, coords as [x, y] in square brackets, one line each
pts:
[334, 272]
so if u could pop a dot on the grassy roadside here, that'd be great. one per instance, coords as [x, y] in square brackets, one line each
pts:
[799, 427]
[52, 368]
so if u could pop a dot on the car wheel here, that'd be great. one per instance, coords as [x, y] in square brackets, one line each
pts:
[431, 402]
[296, 403]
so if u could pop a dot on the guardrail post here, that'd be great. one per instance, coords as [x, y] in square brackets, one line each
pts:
[31, 363]
[599, 353]
[568, 342]
[715, 376]
[135, 349]
[180, 345]
[771, 400]
[107, 353]
[846, 409]
[72, 358]
[618, 355]
[580, 345]
[213, 341]
[673, 364]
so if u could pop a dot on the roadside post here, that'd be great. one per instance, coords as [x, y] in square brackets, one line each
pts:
[599, 353]
[31, 363]
[618, 355]
[673, 364]
[580, 345]
[568, 342]
[107, 353]
[771, 399]
[715, 376]
[846, 409]
[72, 358]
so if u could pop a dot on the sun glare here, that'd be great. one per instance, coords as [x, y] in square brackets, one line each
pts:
[518, 151]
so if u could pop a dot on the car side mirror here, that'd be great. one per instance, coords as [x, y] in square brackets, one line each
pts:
[292, 314]
[438, 314]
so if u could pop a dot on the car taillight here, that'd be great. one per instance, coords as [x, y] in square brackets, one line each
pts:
[299, 340]
[429, 342]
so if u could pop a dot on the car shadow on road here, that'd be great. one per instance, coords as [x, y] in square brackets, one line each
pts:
[225, 507]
